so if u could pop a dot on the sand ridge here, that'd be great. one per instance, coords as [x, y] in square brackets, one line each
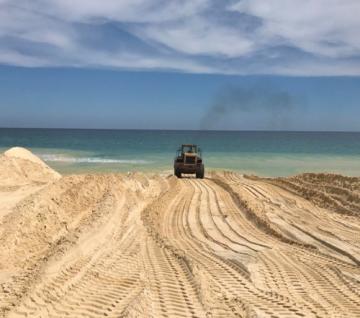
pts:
[151, 245]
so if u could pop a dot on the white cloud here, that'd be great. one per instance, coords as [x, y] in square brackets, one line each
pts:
[26, 24]
[311, 37]
[322, 27]
[11, 57]
[123, 10]
[134, 61]
[341, 68]
[199, 36]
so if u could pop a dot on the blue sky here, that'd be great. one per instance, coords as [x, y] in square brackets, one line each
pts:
[192, 64]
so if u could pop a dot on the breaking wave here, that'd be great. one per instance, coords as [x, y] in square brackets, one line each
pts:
[61, 158]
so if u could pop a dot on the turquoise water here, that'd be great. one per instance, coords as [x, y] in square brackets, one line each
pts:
[261, 153]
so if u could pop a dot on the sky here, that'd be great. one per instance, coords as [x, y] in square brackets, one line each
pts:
[190, 64]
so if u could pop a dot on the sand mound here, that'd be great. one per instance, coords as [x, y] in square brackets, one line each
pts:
[18, 166]
[331, 191]
[22, 153]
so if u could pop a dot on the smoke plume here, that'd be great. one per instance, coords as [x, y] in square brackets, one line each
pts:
[272, 106]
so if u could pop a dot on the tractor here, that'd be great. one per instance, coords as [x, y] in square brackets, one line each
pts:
[188, 160]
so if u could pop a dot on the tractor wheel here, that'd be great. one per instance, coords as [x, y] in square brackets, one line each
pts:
[177, 173]
[200, 172]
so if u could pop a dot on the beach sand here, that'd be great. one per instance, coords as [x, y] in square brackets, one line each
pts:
[152, 245]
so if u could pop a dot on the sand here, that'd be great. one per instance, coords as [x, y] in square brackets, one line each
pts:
[152, 245]
[19, 167]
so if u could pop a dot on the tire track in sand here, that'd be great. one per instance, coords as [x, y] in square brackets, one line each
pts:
[101, 275]
[307, 270]
[170, 247]
[229, 289]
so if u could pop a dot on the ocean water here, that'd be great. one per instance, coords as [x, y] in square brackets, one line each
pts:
[261, 153]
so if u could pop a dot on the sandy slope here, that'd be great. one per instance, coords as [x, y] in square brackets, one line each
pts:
[21, 173]
[19, 167]
[146, 245]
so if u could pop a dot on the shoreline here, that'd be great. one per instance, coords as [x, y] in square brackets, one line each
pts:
[268, 154]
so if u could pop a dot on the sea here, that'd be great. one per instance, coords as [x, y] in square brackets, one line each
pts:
[263, 153]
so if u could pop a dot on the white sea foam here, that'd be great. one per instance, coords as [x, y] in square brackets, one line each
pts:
[68, 159]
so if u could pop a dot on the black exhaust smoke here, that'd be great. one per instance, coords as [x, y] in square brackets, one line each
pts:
[274, 105]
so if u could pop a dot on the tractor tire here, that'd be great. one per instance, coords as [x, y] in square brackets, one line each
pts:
[200, 172]
[177, 173]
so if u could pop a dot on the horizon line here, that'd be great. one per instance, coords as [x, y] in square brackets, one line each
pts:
[184, 130]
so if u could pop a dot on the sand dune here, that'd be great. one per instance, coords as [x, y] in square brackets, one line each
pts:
[152, 245]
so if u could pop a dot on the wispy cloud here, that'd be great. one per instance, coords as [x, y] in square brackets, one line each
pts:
[321, 27]
[199, 36]
[315, 37]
